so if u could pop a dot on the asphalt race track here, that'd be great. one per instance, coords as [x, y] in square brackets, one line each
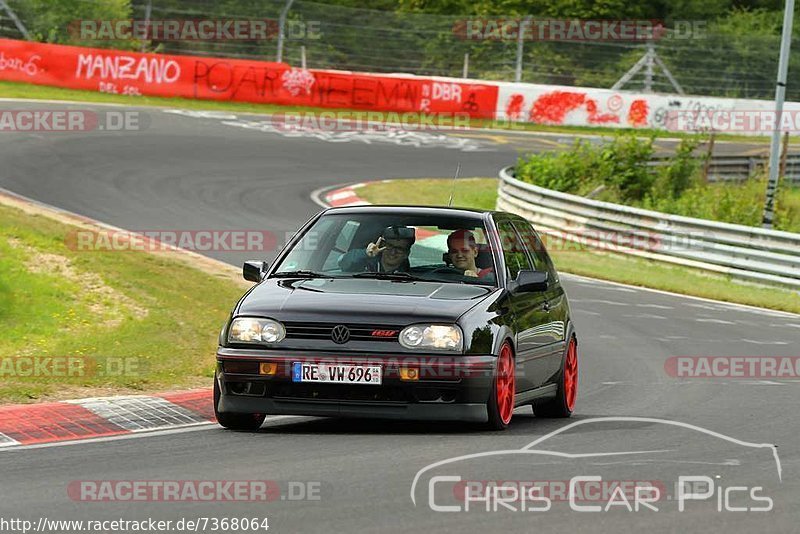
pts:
[189, 172]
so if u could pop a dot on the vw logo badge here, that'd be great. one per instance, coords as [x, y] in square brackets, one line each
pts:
[340, 334]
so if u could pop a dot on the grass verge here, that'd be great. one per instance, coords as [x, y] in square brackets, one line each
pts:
[100, 323]
[43, 92]
[482, 193]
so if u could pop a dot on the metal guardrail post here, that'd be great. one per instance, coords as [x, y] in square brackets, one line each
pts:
[709, 156]
[780, 95]
[282, 29]
[784, 154]
[524, 24]
[148, 10]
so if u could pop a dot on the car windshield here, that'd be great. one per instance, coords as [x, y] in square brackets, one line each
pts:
[436, 248]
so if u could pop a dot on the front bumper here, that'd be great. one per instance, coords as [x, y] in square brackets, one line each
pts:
[448, 388]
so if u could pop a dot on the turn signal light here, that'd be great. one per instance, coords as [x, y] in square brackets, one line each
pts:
[409, 373]
[267, 368]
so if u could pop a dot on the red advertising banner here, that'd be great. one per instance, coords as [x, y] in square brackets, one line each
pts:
[120, 72]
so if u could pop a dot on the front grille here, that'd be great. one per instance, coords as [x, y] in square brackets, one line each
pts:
[358, 332]
[338, 392]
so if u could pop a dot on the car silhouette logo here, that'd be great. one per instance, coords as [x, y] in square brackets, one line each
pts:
[340, 334]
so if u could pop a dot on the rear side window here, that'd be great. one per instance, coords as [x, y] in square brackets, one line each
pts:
[536, 249]
[513, 250]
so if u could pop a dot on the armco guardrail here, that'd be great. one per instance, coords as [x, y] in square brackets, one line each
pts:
[743, 252]
[742, 167]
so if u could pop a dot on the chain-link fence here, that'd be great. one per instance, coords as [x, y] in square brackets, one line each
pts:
[9, 28]
[702, 62]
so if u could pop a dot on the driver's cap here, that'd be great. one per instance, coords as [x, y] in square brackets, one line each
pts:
[400, 232]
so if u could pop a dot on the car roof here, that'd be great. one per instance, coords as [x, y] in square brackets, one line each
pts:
[412, 210]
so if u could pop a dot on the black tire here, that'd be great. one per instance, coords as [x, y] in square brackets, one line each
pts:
[560, 406]
[236, 421]
[499, 415]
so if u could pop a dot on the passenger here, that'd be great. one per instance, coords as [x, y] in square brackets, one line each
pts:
[463, 250]
[388, 254]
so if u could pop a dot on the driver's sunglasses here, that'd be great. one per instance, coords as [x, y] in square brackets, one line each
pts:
[398, 250]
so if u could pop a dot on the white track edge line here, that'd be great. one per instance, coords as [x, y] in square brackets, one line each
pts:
[180, 429]
[523, 132]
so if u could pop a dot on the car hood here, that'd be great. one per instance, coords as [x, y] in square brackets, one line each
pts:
[361, 300]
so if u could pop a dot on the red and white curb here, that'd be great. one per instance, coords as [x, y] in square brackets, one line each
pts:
[33, 424]
[83, 419]
[100, 417]
[345, 196]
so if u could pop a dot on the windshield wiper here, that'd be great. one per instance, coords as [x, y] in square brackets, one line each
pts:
[300, 274]
[388, 276]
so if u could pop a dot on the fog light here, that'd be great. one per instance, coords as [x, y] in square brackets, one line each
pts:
[267, 368]
[409, 373]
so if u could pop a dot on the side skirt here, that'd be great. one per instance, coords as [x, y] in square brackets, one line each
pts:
[526, 396]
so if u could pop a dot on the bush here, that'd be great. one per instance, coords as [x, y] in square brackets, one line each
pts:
[787, 209]
[624, 167]
[620, 166]
[682, 172]
[738, 203]
[735, 202]
[571, 171]
[52, 21]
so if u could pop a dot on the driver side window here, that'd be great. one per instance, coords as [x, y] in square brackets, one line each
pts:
[513, 250]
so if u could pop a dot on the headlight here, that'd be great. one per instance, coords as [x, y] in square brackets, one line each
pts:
[253, 330]
[431, 336]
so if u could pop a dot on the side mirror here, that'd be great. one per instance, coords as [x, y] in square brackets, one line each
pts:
[531, 281]
[253, 271]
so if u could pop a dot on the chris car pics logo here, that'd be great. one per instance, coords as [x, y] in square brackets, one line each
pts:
[586, 489]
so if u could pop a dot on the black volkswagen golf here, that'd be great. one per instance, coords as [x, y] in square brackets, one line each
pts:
[400, 313]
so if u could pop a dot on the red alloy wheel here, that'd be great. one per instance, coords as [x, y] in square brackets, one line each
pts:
[571, 375]
[505, 384]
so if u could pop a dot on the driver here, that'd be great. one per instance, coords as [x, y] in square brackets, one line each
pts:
[389, 253]
[462, 249]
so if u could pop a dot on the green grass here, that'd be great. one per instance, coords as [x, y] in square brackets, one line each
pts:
[738, 203]
[479, 193]
[482, 193]
[158, 315]
[23, 90]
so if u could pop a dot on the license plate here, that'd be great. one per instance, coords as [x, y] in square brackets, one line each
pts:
[336, 373]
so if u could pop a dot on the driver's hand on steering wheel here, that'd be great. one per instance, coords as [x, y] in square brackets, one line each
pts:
[471, 273]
